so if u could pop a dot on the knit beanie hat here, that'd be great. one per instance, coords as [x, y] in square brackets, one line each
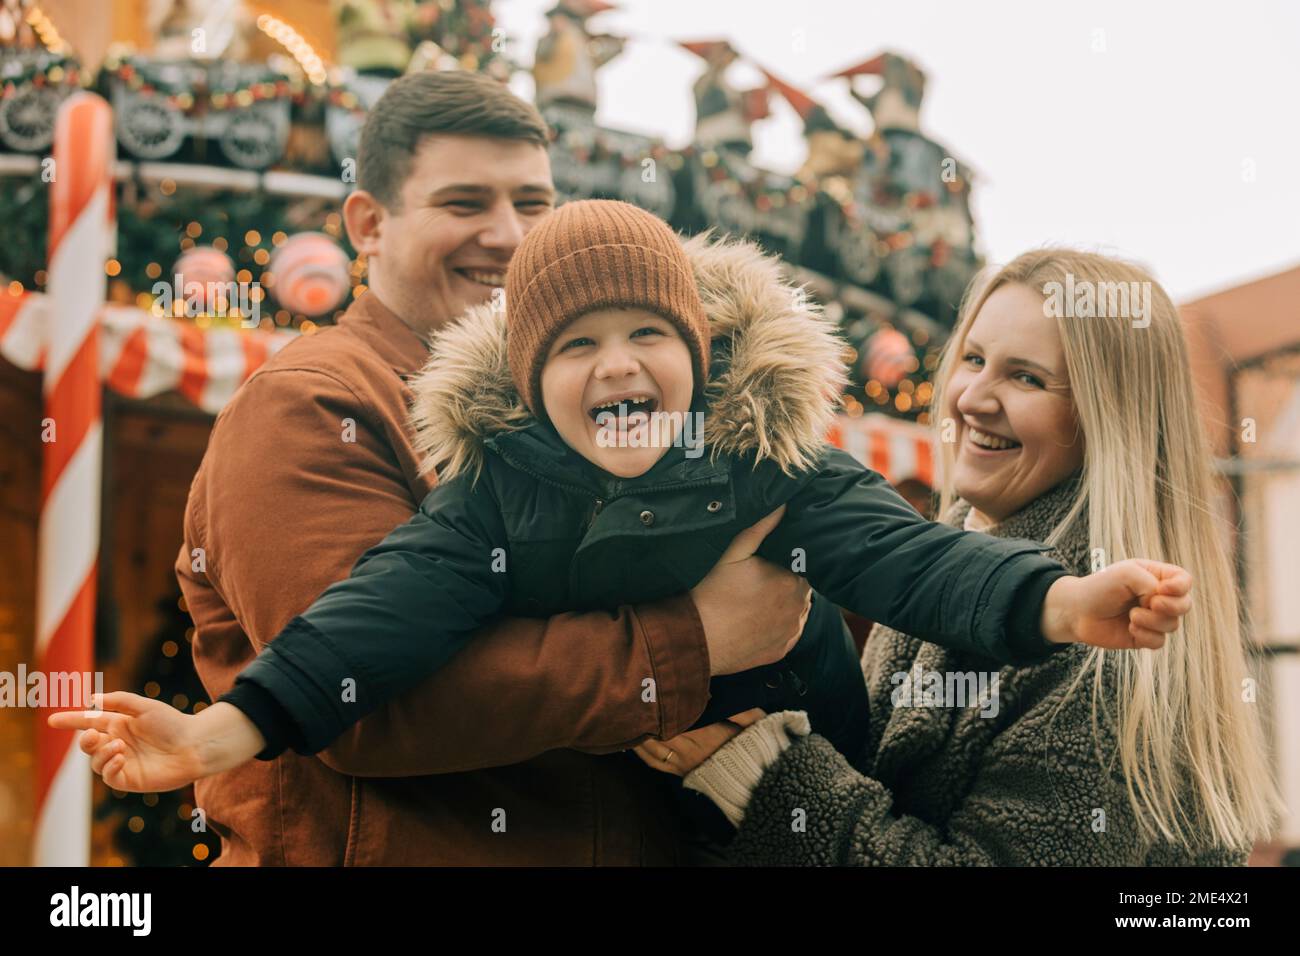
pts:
[596, 254]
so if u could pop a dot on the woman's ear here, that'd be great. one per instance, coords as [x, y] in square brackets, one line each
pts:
[363, 215]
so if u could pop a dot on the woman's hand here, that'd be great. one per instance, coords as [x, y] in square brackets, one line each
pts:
[1132, 604]
[685, 752]
[145, 746]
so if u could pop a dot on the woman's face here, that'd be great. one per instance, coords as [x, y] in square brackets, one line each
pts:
[1017, 435]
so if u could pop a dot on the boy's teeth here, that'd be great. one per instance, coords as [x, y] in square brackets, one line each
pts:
[639, 399]
[485, 278]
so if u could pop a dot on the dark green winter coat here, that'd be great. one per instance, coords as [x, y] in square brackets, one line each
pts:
[521, 524]
[1022, 784]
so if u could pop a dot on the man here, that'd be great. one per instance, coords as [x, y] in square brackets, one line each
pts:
[493, 759]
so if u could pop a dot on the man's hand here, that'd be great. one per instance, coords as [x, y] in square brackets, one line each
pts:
[1131, 604]
[752, 611]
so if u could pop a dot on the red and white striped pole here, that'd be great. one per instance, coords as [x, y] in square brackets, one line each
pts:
[81, 236]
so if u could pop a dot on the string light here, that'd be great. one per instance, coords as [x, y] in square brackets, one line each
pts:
[293, 41]
[46, 31]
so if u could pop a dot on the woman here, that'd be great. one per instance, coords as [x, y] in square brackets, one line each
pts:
[1081, 433]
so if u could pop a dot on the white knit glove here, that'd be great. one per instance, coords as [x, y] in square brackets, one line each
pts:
[729, 777]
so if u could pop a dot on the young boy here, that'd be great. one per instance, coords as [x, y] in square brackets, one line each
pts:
[567, 436]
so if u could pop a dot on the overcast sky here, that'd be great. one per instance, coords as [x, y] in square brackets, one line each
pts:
[1168, 132]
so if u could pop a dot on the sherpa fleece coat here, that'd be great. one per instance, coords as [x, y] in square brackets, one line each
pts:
[520, 522]
[945, 786]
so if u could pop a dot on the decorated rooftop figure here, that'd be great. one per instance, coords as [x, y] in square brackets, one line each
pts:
[14, 28]
[201, 30]
[832, 149]
[897, 104]
[724, 115]
[569, 55]
[457, 34]
[374, 35]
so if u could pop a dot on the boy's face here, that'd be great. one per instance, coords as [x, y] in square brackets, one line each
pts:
[625, 356]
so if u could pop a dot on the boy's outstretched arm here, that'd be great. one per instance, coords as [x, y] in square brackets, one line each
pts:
[521, 687]
[409, 605]
[867, 550]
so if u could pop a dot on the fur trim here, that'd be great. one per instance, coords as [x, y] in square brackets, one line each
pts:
[776, 397]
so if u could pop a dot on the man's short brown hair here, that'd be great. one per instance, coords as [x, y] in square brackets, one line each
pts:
[426, 104]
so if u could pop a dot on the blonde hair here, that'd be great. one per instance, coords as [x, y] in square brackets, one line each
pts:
[1191, 750]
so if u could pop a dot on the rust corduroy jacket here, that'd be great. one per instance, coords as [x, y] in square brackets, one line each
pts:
[308, 466]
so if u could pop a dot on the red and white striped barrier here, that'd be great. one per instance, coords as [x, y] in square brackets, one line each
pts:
[81, 237]
[142, 355]
[897, 449]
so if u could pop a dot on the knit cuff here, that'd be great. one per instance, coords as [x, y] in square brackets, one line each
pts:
[729, 777]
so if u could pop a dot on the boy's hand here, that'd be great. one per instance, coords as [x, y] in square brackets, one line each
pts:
[145, 746]
[1132, 604]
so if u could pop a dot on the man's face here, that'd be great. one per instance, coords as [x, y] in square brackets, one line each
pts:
[466, 204]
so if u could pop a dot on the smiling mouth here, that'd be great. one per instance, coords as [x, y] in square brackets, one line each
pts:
[624, 408]
[484, 277]
[991, 442]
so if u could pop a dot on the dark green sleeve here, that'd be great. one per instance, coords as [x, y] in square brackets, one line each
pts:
[409, 604]
[861, 545]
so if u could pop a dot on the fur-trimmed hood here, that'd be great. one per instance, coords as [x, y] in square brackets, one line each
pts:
[775, 395]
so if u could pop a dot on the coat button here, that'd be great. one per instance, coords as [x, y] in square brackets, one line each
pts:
[647, 518]
[774, 681]
[713, 506]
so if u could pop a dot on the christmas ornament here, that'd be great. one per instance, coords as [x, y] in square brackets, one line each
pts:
[889, 357]
[310, 273]
[203, 275]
